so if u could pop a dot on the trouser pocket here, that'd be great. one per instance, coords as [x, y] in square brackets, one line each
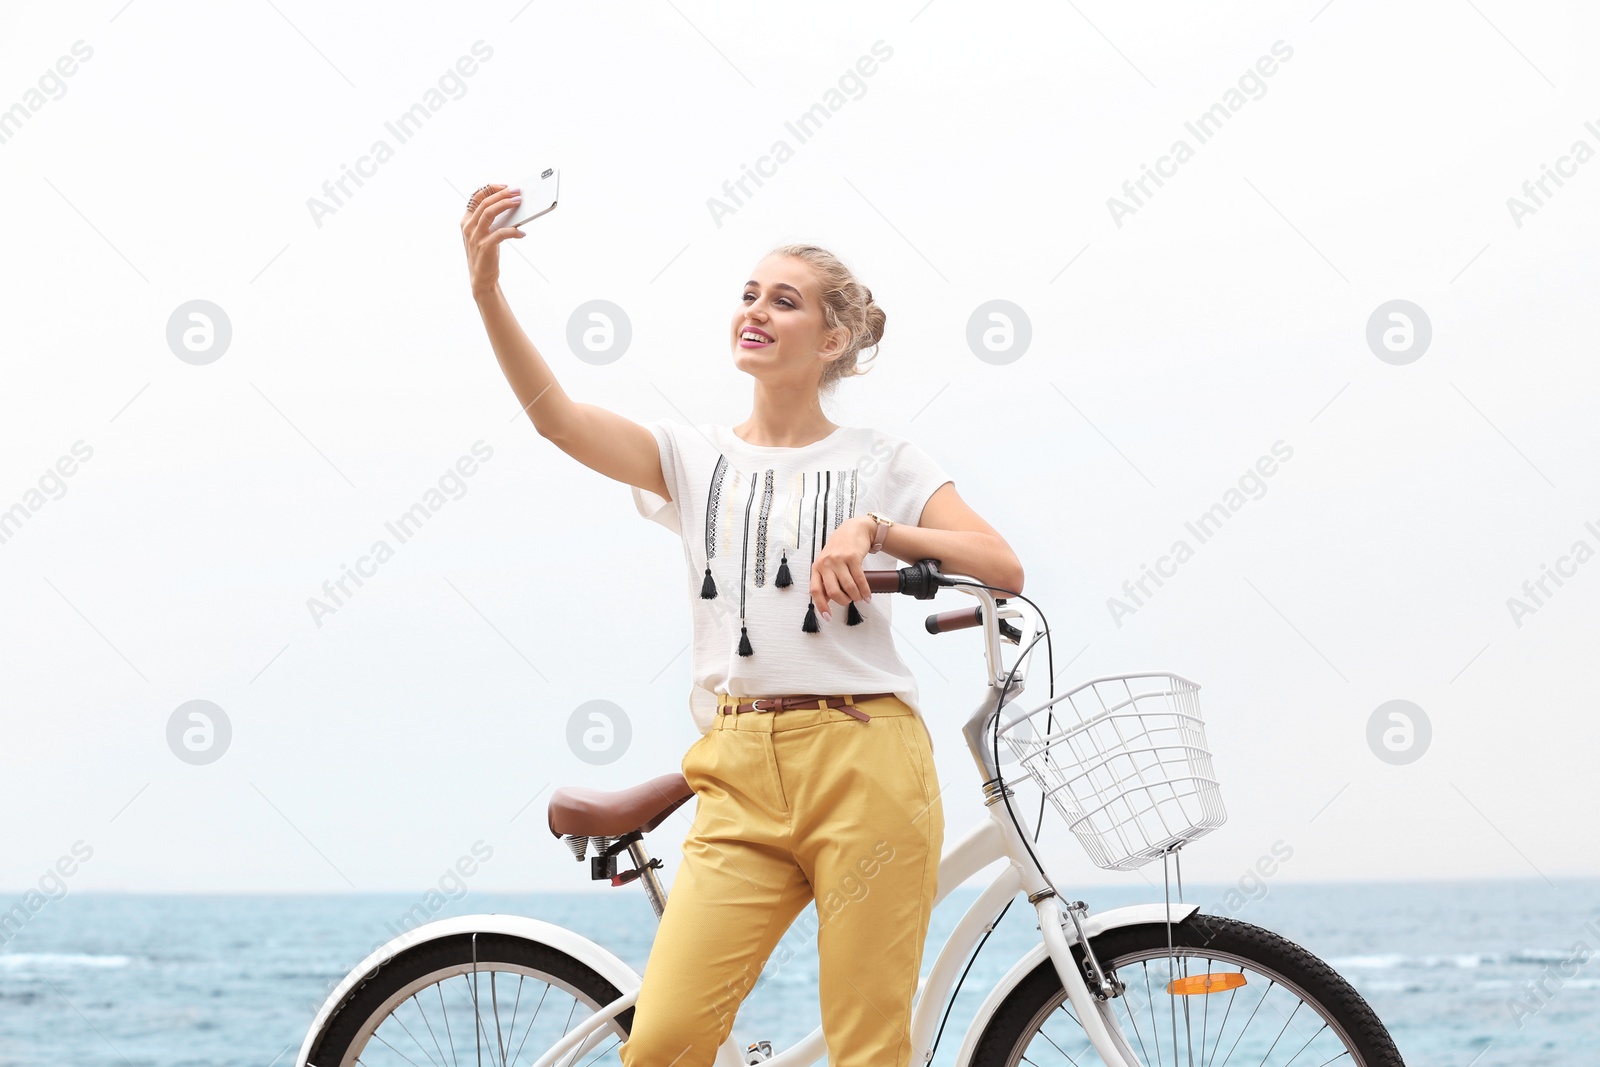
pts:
[914, 743]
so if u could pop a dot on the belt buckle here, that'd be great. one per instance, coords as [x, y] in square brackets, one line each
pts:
[755, 705]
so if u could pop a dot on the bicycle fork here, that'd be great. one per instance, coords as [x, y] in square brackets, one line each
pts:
[1108, 1041]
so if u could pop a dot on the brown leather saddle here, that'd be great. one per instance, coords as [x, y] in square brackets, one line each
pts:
[585, 812]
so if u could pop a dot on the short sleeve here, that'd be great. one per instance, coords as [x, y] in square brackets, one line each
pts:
[653, 506]
[913, 477]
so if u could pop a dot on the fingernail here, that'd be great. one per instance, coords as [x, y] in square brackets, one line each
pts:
[828, 615]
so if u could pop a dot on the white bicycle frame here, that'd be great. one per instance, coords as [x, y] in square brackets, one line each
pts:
[996, 838]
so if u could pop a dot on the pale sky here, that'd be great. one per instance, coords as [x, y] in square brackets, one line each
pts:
[1172, 346]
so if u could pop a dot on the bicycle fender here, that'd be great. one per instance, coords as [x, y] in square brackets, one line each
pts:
[1093, 926]
[602, 960]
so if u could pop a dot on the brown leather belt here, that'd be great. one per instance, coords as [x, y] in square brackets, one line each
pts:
[791, 702]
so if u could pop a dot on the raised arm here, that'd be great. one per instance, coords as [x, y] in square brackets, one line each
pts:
[602, 440]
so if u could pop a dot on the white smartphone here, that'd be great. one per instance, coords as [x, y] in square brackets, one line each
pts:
[538, 198]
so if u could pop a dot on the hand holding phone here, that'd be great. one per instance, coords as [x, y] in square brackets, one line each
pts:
[538, 198]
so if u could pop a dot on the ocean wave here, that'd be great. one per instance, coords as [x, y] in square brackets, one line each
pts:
[1384, 962]
[41, 961]
[1393, 986]
[1540, 955]
[1459, 961]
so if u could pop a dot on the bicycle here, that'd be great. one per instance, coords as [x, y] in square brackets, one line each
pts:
[1130, 772]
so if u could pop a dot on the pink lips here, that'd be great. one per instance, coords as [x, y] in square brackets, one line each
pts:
[753, 344]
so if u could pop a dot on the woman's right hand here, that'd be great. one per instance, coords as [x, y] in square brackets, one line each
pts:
[482, 243]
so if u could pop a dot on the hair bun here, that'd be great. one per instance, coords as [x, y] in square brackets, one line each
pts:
[846, 302]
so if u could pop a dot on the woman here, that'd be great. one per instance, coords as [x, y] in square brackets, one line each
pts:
[830, 795]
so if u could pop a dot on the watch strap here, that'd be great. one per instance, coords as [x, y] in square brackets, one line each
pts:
[880, 531]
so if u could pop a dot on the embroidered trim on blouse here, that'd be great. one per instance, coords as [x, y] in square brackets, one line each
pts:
[761, 530]
[713, 503]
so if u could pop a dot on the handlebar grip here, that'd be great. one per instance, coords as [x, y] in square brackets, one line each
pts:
[960, 619]
[921, 580]
[883, 581]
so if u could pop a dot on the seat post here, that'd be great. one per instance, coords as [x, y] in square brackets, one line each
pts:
[647, 877]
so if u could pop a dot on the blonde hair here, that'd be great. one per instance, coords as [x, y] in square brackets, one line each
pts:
[846, 303]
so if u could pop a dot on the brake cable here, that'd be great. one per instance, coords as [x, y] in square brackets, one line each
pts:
[1050, 665]
[999, 705]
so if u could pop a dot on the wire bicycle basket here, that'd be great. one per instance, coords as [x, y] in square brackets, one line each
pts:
[1126, 765]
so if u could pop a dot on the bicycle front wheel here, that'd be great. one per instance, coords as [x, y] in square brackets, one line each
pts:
[501, 1000]
[1268, 1003]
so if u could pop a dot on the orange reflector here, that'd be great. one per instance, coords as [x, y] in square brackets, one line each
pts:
[1205, 983]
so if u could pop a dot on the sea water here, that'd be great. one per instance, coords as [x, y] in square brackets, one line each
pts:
[1488, 974]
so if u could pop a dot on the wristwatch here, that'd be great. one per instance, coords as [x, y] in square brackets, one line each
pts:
[881, 531]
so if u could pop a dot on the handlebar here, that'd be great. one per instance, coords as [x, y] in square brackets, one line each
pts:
[923, 580]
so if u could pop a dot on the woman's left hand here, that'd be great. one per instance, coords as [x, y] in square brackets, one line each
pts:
[836, 574]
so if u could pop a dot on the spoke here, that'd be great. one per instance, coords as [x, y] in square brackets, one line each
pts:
[439, 987]
[401, 1023]
[1264, 994]
[1188, 1022]
[477, 1016]
[1307, 1045]
[568, 1026]
[1065, 1009]
[1172, 1001]
[1143, 1052]
[494, 999]
[1223, 1025]
[603, 1051]
[512, 1026]
[531, 1021]
[397, 1052]
[1312, 1041]
[1155, 1027]
[1291, 1016]
[1057, 1047]
[1283, 1031]
[415, 999]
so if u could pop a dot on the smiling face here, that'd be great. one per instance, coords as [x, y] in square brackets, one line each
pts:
[778, 325]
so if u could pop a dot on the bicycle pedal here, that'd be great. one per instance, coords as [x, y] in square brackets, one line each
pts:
[757, 1051]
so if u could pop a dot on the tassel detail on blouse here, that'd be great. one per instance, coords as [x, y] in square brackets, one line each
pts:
[744, 556]
[852, 616]
[708, 588]
[783, 581]
[810, 625]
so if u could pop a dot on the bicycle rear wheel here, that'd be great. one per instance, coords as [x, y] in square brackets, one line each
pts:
[503, 1001]
[1271, 1004]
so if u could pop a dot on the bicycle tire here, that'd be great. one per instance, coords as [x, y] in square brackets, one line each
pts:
[354, 1019]
[1037, 998]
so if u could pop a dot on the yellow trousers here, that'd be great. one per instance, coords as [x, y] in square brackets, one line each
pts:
[793, 806]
